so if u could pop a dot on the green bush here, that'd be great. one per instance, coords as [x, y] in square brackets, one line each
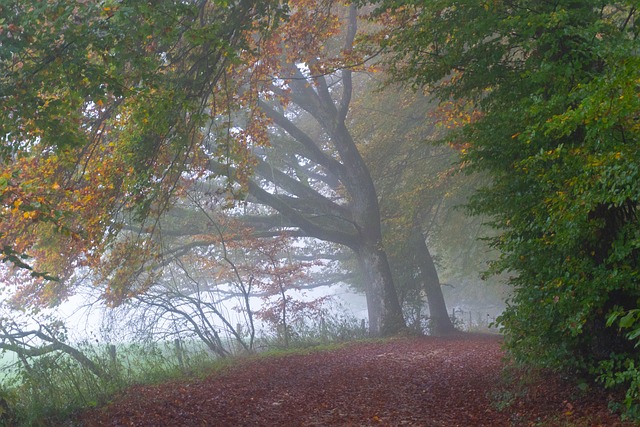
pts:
[622, 372]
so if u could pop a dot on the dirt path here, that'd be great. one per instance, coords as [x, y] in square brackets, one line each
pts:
[404, 382]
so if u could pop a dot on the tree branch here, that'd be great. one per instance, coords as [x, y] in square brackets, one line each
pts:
[347, 84]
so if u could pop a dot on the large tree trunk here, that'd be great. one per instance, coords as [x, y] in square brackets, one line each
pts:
[440, 321]
[324, 188]
[385, 313]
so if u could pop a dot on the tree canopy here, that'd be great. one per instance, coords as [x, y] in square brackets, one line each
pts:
[102, 109]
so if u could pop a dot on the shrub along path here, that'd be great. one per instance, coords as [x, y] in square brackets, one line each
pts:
[427, 381]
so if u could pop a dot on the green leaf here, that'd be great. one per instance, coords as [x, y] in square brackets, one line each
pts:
[629, 319]
[634, 334]
[615, 314]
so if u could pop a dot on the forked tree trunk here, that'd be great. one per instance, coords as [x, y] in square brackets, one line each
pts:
[438, 315]
[385, 313]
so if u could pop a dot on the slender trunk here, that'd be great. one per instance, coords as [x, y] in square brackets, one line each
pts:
[440, 321]
[385, 313]
[285, 326]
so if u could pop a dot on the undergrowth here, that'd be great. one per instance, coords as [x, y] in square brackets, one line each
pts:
[49, 389]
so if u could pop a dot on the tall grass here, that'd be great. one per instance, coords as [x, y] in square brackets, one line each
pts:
[314, 331]
[48, 390]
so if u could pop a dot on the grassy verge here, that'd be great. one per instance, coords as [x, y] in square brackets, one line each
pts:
[48, 390]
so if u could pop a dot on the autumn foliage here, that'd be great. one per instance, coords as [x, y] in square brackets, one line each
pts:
[102, 109]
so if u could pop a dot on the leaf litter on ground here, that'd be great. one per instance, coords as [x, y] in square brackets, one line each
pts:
[410, 381]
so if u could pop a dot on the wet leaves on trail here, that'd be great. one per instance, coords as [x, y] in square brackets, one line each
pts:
[401, 382]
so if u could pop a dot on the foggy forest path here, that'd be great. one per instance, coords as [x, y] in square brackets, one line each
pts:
[423, 381]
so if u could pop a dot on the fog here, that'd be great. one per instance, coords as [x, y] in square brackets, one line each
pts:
[88, 319]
